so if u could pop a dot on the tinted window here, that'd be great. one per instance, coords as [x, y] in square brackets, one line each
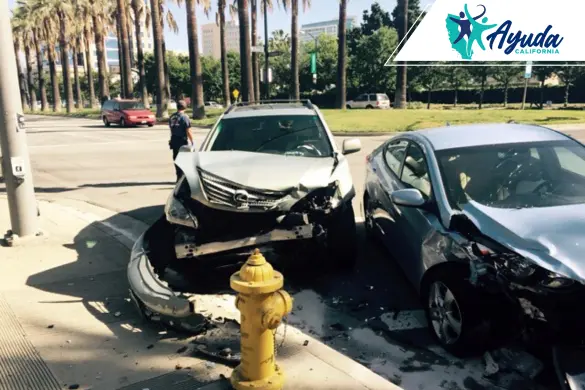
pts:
[394, 155]
[295, 135]
[106, 105]
[373, 97]
[132, 106]
[415, 173]
[538, 174]
[361, 98]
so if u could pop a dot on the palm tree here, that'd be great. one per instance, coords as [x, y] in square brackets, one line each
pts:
[224, 61]
[245, 58]
[100, 11]
[75, 48]
[402, 75]
[194, 60]
[85, 21]
[44, 17]
[24, 29]
[141, 13]
[341, 56]
[125, 63]
[63, 9]
[24, 97]
[161, 102]
[37, 35]
[255, 67]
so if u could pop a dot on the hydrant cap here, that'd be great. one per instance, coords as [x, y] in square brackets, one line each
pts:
[257, 276]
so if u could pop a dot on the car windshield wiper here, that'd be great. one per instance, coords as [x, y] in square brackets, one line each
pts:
[280, 136]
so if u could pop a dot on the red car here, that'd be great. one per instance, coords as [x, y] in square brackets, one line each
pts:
[126, 113]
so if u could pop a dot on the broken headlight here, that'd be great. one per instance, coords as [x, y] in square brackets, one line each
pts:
[555, 281]
[175, 210]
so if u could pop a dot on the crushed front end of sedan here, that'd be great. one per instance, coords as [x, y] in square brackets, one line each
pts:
[266, 175]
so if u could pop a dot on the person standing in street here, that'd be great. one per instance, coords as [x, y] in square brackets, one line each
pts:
[181, 135]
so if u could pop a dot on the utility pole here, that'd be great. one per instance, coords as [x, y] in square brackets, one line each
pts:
[15, 160]
[266, 53]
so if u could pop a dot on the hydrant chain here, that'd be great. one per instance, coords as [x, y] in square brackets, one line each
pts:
[263, 305]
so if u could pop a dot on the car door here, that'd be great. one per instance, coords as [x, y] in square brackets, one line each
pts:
[415, 225]
[388, 170]
[359, 101]
[116, 113]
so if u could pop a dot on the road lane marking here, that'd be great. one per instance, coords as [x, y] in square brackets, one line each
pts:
[97, 143]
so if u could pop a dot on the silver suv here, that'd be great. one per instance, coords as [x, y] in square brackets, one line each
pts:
[267, 173]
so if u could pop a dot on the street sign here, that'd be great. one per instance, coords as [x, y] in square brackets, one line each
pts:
[528, 71]
[236, 94]
[17, 166]
[313, 63]
[257, 49]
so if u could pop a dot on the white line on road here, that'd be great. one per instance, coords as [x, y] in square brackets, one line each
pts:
[97, 143]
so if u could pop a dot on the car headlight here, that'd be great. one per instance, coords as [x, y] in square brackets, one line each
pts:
[555, 281]
[175, 210]
[151, 117]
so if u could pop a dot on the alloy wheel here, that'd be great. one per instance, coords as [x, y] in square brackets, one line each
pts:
[445, 313]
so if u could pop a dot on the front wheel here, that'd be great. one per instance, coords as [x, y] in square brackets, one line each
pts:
[342, 239]
[369, 107]
[106, 122]
[122, 123]
[455, 313]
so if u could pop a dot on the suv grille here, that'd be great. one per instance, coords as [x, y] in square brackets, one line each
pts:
[221, 191]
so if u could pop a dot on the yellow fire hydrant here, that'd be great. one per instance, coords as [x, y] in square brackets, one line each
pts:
[262, 304]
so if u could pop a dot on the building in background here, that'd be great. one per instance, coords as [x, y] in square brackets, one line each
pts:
[329, 27]
[211, 42]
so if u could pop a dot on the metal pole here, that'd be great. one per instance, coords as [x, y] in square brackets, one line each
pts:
[266, 59]
[525, 92]
[15, 160]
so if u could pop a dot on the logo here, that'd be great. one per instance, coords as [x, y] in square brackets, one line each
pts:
[466, 30]
[241, 198]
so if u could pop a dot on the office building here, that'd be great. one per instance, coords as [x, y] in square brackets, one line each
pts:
[329, 27]
[211, 39]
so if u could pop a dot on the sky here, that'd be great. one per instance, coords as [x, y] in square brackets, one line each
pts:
[320, 10]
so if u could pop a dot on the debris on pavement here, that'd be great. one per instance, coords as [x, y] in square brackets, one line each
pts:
[117, 314]
[178, 367]
[491, 367]
[50, 326]
[73, 387]
[151, 346]
[182, 349]
[338, 326]
[210, 365]
[226, 352]
[306, 343]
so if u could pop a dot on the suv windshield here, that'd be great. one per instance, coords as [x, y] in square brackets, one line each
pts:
[291, 135]
[132, 106]
[537, 174]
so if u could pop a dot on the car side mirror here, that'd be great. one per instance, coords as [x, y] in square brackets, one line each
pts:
[351, 145]
[409, 197]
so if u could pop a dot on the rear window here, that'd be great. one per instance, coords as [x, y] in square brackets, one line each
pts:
[383, 96]
[294, 135]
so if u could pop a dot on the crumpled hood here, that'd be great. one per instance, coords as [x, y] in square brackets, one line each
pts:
[268, 171]
[552, 237]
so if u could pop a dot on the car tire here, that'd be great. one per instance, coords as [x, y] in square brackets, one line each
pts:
[122, 123]
[342, 239]
[106, 122]
[150, 124]
[449, 299]
[348, 107]
[369, 107]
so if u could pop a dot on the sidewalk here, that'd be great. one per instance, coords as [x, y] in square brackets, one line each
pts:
[66, 320]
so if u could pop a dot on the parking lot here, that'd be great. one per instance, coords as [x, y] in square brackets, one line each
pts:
[372, 315]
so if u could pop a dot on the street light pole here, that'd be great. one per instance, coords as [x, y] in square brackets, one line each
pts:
[266, 53]
[15, 160]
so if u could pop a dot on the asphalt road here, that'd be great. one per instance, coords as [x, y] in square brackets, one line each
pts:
[372, 315]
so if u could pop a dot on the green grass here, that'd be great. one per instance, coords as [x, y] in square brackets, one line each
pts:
[406, 120]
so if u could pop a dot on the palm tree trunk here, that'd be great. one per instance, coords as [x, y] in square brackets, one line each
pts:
[456, 97]
[140, 52]
[429, 93]
[167, 73]
[64, 48]
[41, 75]
[402, 74]
[54, 80]
[78, 96]
[125, 64]
[24, 98]
[481, 91]
[342, 57]
[103, 82]
[294, 52]
[29, 78]
[567, 88]
[120, 59]
[161, 103]
[89, 66]
[194, 62]
[224, 61]
[506, 85]
[245, 58]
[130, 30]
[255, 67]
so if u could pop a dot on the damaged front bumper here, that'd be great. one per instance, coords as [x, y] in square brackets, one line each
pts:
[155, 300]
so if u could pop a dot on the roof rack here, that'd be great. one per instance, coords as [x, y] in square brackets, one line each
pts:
[307, 103]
